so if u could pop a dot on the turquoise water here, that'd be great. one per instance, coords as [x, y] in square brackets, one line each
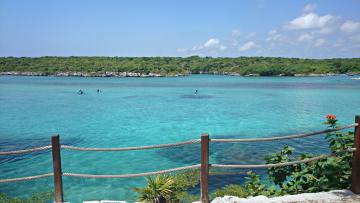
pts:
[146, 111]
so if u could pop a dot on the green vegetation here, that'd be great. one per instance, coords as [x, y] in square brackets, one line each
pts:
[95, 66]
[251, 187]
[315, 176]
[164, 188]
[323, 175]
[159, 189]
[40, 197]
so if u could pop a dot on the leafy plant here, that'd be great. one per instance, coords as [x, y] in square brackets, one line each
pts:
[185, 181]
[322, 175]
[159, 189]
[39, 197]
[252, 187]
[278, 174]
[172, 188]
[326, 174]
[230, 190]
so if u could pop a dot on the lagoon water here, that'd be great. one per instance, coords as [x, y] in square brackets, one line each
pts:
[147, 111]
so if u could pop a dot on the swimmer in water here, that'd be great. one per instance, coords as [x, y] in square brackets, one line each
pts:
[80, 92]
[196, 92]
[98, 90]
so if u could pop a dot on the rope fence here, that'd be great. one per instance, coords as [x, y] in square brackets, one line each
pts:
[26, 178]
[23, 151]
[323, 156]
[132, 175]
[203, 166]
[285, 137]
[131, 148]
[177, 169]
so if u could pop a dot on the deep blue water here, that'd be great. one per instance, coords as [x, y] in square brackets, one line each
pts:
[146, 111]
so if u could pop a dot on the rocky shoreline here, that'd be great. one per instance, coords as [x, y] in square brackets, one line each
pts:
[135, 74]
[90, 74]
[281, 75]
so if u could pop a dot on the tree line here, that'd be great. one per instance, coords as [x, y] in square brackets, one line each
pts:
[264, 66]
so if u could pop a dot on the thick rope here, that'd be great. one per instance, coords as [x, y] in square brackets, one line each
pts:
[131, 148]
[282, 164]
[132, 175]
[284, 137]
[26, 150]
[176, 169]
[26, 178]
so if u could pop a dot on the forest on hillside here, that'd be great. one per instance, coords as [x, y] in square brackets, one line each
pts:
[264, 66]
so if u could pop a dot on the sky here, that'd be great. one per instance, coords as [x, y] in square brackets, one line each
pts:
[222, 28]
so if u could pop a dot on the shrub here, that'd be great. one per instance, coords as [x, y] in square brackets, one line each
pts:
[172, 188]
[252, 187]
[322, 175]
[159, 189]
[39, 197]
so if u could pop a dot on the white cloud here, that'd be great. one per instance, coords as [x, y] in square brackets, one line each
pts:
[247, 46]
[196, 48]
[212, 43]
[309, 8]
[222, 48]
[251, 35]
[350, 26]
[319, 42]
[310, 21]
[326, 30]
[273, 35]
[272, 38]
[272, 32]
[305, 37]
[322, 33]
[236, 33]
[234, 43]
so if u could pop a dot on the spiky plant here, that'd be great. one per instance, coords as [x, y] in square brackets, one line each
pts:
[159, 189]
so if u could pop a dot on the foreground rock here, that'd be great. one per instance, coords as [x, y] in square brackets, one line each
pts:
[335, 196]
[341, 196]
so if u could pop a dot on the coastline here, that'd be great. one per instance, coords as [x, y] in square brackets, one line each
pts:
[90, 74]
[137, 74]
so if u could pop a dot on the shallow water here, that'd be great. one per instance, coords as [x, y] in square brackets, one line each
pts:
[146, 111]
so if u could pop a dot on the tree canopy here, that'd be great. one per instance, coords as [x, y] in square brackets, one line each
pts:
[264, 66]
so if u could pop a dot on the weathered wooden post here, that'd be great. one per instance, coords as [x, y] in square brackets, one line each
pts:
[355, 177]
[204, 171]
[55, 142]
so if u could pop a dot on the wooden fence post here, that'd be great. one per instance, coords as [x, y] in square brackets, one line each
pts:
[204, 171]
[55, 142]
[355, 176]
